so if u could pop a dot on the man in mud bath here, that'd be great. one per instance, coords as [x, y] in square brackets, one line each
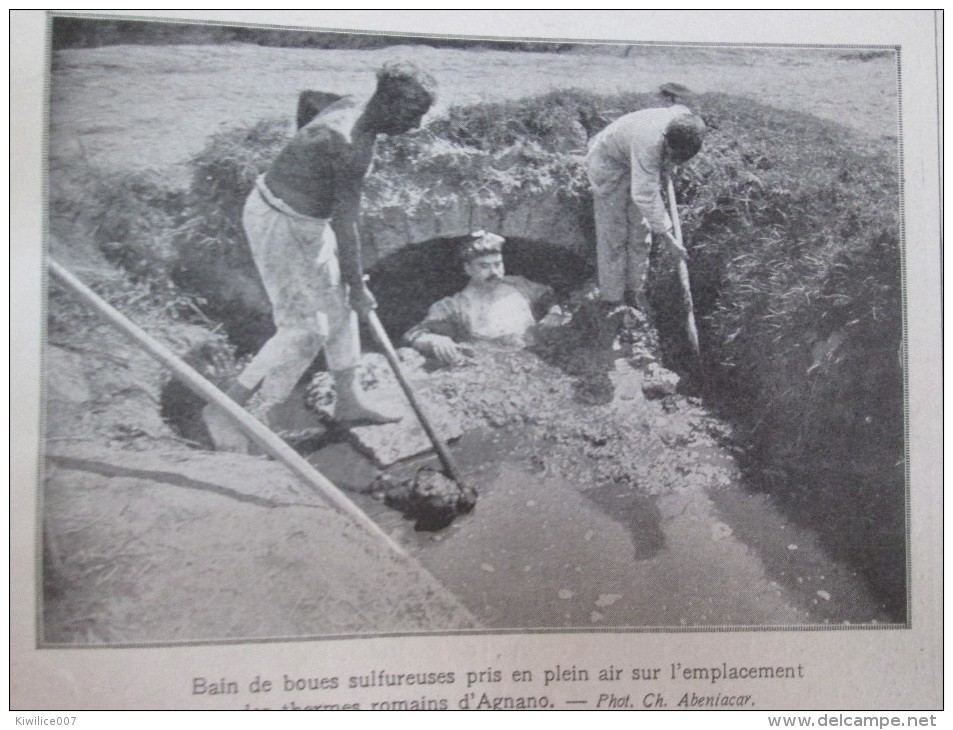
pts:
[625, 164]
[491, 308]
[301, 223]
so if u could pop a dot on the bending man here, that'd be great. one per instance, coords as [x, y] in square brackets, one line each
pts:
[625, 163]
[301, 224]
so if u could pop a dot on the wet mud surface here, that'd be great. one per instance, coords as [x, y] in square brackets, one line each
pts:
[621, 512]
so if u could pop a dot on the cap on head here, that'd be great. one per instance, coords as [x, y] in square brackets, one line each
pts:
[481, 243]
[405, 79]
[684, 136]
[675, 91]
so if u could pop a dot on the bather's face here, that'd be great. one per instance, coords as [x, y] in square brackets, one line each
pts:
[485, 270]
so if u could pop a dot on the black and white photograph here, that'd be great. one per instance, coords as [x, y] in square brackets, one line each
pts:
[631, 352]
[352, 334]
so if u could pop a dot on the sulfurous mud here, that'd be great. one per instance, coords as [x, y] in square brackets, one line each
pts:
[431, 498]
[574, 403]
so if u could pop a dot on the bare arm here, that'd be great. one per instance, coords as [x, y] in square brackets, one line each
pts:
[349, 182]
[435, 335]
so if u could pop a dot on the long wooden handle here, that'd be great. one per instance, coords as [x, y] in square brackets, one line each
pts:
[250, 426]
[690, 326]
[380, 334]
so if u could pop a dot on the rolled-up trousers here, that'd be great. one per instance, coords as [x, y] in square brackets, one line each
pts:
[296, 256]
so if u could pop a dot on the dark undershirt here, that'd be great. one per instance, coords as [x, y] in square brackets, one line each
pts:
[304, 175]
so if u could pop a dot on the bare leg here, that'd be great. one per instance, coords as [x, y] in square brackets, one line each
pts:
[352, 405]
[225, 435]
[277, 367]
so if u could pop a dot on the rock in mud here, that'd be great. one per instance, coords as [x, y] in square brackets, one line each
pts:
[431, 498]
[659, 382]
[392, 442]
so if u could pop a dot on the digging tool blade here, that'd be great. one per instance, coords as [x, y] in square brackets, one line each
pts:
[690, 326]
[467, 492]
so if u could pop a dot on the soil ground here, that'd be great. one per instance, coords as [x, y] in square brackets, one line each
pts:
[154, 106]
[626, 512]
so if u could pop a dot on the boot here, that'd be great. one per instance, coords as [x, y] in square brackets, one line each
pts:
[224, 434]
[351, 405]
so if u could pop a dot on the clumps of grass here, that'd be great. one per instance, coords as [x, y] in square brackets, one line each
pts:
[792, 225]
[223, 174]
[421, 173]
[119, 227]
[553, 121]
[794, 231]
[129, 216]
[794, 235]
[780, 210]
[791, 221]
[793, 228]
[213, 258]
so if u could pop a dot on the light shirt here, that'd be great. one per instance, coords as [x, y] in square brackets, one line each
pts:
[502, 313]
[506, 314]
[634, 143]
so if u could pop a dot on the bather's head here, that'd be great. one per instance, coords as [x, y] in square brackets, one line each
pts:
[482, 256]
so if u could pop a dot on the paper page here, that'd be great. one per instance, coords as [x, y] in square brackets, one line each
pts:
[755, 527]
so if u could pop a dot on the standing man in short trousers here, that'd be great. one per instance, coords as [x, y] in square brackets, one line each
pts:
[301, 224]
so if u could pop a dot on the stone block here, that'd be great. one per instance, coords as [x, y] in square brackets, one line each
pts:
[389, 443]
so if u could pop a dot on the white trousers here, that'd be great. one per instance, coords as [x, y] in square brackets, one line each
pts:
[297, 259]
[623, 237]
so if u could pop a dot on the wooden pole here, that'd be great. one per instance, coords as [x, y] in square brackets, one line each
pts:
[250, 426]
[683, 279]
[380, 334]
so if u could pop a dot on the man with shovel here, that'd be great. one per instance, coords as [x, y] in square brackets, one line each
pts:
[301, 223]
[625, 164]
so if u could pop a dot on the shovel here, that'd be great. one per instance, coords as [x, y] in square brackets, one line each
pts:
[467, 492]
[690, 327]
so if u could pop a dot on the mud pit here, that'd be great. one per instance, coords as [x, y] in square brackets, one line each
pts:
[627, 513]
[606, 498]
